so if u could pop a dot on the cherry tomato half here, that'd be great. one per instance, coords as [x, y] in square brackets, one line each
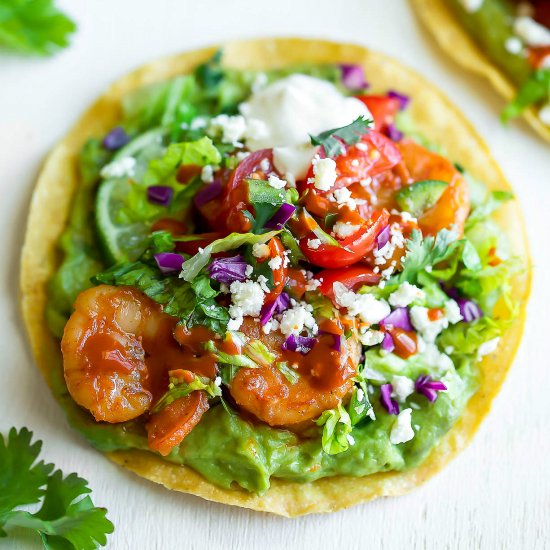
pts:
[351, 249]
[350, 277]
[382, 108]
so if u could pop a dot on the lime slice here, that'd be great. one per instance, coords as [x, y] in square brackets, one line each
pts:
[121, 240]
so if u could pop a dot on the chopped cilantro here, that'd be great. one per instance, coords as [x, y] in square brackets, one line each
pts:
[331, 140]
[34, 27]
[67, 517]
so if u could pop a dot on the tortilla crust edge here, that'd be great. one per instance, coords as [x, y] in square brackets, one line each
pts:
[434, 116]
[454, 40]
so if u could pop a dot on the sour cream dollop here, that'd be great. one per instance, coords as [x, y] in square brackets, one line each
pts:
[290, 109]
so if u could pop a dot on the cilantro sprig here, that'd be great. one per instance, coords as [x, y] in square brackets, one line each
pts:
[331, 140]
[34, 26]
[67, 517]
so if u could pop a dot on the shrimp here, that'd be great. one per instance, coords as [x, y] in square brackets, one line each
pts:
[453, 207]
[324, 379]
[118, 347]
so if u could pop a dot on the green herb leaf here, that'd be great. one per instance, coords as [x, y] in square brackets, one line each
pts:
[193, 265]
[535, 90]
[193, 303]
[67, 518]
[34, 26]
[331, 140]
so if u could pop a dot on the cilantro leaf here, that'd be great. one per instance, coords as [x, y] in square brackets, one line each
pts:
[424, 252]
[535, 89]
[193, 303]
[331, 140]
[67, 518]
[34, 26]
[21, 480]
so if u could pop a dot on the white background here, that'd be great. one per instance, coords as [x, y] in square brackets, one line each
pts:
[495, 495]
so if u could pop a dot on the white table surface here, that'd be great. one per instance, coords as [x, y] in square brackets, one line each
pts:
[495, 495]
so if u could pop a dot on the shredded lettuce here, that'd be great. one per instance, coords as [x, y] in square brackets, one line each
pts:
[337, 427]
[494, 200]
[178, 389]
[199, 153]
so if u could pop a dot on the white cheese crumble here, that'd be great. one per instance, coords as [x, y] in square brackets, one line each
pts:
[382, 255]
[471, 6]
[343, 230]
[276, 182]
[231, 129]
[402, 387]
[429, 329]
[402, 431]
[293, 321]
[120, 168]
[406, 294]
[531, 32]
[371, 337]
[488, 347]
[365, 306]
[247, 299]
[314, 244]
[260, 250]
[433, 357]
[275, 263]
[324, 172]
[513, 45]
[207, 173]
[343, 198]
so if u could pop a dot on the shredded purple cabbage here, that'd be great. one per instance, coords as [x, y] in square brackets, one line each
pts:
[393, 133]
[403, 99]
[353, 76]
[383, 237]
[160, 194]
[398, 318]
[469, 310]
[115, 139]
[228, 270]
[169, 262]
[277, 306]
[208, 193]
[387, 402]
[428, 387]
[302, 344]
[280, 217]
[337, 346]
[387, 342]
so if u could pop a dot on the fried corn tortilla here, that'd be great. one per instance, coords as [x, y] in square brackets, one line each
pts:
[455, 42]
[434, 116]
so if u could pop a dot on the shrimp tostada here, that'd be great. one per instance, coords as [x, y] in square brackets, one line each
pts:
[505, 41]
[252, 276]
